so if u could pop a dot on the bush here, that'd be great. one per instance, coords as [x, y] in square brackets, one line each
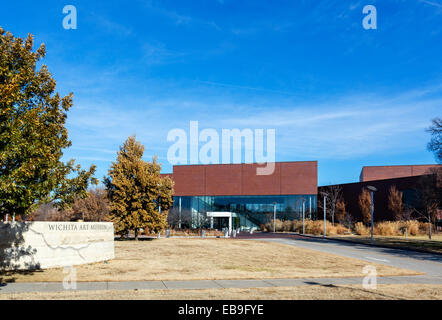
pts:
[340, 229]
[279, 225]
[361, 229]
[315, 227]
[412, 227]
[394, 228]
[387, 228]
[423, 228]
[287, 225]
[296, 226]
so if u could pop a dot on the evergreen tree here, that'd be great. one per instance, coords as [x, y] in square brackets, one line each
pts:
[395, 203]
[139, 197]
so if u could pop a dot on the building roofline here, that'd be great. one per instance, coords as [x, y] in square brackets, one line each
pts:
[257, 163]
[372, 181]
[403, 165]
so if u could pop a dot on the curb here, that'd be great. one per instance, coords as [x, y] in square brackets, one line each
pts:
[367, 244]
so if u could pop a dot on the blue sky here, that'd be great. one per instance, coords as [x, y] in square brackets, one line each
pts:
[333, 91]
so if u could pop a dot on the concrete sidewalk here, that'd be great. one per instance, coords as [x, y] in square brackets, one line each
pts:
[209, 284]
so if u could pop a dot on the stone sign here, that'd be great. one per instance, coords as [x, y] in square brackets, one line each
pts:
[33, 245]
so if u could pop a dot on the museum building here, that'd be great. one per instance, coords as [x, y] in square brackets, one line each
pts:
[235, 196]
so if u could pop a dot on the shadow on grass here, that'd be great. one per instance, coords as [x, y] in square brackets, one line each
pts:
[10, 275]
[366, 291]
[144, 238]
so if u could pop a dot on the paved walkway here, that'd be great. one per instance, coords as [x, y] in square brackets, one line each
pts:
[208, 284]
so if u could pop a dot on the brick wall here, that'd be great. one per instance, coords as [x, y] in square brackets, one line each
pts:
[241, 179]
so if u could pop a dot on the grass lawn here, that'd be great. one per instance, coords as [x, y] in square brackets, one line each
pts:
[315, 292]
[190, 259]
[421, 243]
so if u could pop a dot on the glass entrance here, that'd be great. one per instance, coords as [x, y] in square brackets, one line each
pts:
[219, 223]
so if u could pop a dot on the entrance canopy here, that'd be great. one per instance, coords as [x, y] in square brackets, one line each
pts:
[220, 214]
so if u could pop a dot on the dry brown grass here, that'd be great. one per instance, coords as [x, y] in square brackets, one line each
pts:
[192, 259]
[420, 242]
[315, 227]
[361, 229]
[396, 228]
[315, 292]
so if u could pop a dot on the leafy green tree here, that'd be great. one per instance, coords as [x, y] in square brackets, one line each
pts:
[33, 133]
[139, 197]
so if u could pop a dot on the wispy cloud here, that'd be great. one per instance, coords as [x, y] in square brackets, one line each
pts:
[432, 3]
[111, 26]
[348, 127]
[177, 18]
[246, 87]
[157, 53]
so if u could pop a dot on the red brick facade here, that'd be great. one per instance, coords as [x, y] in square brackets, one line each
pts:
[241, 179]
[372, 173]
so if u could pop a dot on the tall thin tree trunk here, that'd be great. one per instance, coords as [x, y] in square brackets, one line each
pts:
[136, 234]
[429, 229]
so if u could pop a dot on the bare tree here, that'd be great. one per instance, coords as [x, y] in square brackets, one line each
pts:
[174, 217]
[429, 194]
[43, 213]
[95, 207]
[435, 144]
[333, 195]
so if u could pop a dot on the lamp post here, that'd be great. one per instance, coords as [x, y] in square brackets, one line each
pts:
[303, 216]
[372, 190]
[179, 220]
[325, 211]
[274, 216]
